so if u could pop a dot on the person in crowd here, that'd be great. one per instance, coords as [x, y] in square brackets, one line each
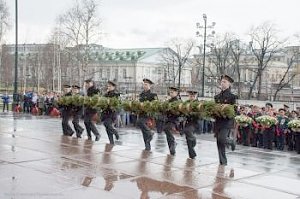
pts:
[257, 132]
[5, 100]
[171, 121]
[76, 113]
[89, 113]
[223, 126]
[291, 135]
[144, 118]
[109, 115]
[66, 113]
[282, 128]
[190, 126]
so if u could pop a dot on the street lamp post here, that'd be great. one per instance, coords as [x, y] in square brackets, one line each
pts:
[204, 46]
[15, 95]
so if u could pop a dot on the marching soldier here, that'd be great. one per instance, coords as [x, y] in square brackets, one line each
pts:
[90, 112]
[146, 95]
[171, 121]
[77, 111]
[223, 126]
[190, 126]
[109, 115]
[66, 113]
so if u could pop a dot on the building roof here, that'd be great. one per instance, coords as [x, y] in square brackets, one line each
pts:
[130, 54]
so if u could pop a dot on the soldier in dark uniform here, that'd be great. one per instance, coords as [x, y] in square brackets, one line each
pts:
[109, 115]
[171, 121]
[76, 112]
[223, 126]
[66, 112]
[90, 112]
[190, 126]
[146, 95]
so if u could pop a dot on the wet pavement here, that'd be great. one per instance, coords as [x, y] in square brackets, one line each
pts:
[36, 161]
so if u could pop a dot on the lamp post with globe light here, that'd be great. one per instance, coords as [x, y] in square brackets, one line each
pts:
[205, 27]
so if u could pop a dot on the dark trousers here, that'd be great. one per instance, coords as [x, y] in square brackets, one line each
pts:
[169, 129]
[110, 130]
[147, 134]
[159, 124]
[245, 133]
[222, 135]
[258, 139]
[189, 130]
[27, 108]
[89, 124]
[290, 140]
[5, 105]
[268, 138]
[65, 116]
[297, 142]
[75, 121]
[280, 141]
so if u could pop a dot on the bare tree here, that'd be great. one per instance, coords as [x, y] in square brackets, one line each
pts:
[4, 19]
[220, 56]
[91, 26]
[237, 48]
[175, 59]
[80, 27]
[264, 44]
[7, 60]
[4, 25]
[291, 70]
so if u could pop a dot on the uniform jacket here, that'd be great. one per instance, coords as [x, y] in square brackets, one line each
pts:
[147, 96]
[170, 116]
[91, 92]
[108, 113]
[225, 97]
[192, 119]
[67, 107]
[77, 109]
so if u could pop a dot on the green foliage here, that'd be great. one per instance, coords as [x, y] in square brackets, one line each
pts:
[204, 109]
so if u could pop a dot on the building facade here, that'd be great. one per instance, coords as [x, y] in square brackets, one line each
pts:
[48, 66]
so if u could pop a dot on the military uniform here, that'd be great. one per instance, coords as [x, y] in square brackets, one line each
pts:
[223, 126]
[88, 115]
[77, 113]
[188, 130]
[143, 118]
[108, 118]
[66, 113]
[281, 131]
[170, 126]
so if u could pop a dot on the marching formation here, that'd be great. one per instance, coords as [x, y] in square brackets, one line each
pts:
[179, 116]
[263, 128]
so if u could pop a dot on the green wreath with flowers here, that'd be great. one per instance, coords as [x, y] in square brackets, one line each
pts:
[203, 109]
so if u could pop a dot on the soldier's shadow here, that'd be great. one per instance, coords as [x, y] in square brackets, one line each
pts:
[147, 185]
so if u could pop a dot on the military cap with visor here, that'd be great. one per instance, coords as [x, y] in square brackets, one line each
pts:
[227, 77]
[76, 86]
[112, 83]
[192, 92]
[172, 88]
[145, 80]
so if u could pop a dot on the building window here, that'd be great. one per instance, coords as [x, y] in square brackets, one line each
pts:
[108, 73]
[100, 73]
[159, 71]
[124, 73]
[116, 74]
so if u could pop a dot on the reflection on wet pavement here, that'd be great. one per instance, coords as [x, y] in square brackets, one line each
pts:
[36, 161]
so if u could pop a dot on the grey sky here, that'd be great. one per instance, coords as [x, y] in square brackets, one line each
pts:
[151, 23]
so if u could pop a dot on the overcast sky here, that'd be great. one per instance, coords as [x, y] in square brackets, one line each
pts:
[151, 23]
